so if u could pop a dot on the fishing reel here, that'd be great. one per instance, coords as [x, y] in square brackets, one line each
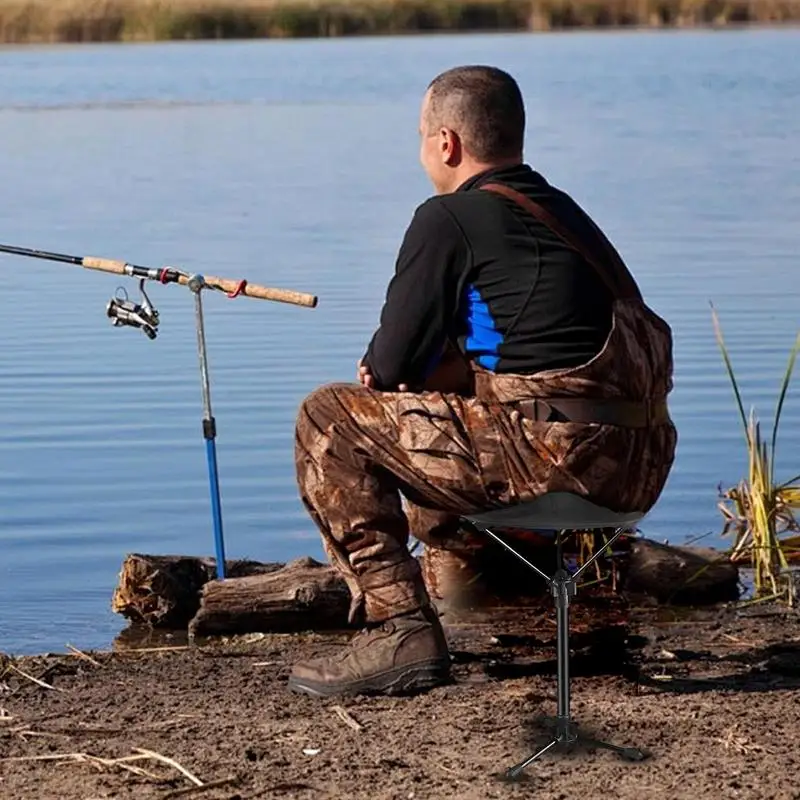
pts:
[123, 311]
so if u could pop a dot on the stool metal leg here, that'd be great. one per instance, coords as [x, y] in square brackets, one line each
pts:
[563, 587]
[514, 772]
[522, 558]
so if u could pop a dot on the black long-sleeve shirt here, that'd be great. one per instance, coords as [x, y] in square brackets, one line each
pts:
[478, 271]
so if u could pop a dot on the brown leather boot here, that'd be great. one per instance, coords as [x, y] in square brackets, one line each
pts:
[402, 655]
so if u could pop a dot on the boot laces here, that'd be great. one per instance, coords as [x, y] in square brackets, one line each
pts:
[371, 628]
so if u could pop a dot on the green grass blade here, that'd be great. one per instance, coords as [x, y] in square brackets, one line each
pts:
[729, 368]
[788, 483]
[784, 387]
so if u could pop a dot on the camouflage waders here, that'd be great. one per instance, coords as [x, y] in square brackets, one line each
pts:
[358, 450]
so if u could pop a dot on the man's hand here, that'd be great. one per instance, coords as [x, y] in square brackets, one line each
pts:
[365, 377]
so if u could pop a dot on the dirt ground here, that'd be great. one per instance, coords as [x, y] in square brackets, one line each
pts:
[713, 696]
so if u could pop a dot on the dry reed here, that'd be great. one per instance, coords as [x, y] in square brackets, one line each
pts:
[39, 21]
[762, 512]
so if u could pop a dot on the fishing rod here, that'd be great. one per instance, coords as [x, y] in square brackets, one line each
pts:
[143, 315]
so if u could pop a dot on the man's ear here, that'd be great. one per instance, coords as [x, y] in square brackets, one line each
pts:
[450, 147]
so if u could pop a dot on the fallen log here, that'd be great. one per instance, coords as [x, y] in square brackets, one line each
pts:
[164, 591]
[675, 575]
[669, 574]
[303, 595]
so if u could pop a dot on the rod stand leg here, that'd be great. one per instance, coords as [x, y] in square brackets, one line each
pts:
[196, 284]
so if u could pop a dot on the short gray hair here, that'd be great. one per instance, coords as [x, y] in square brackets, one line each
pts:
[484, 106]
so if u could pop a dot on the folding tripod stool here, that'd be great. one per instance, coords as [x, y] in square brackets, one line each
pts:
[561, 512]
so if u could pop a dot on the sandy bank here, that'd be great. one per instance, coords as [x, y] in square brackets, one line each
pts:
[713, 696]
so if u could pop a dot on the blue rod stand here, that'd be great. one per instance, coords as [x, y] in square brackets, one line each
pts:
[196, 284]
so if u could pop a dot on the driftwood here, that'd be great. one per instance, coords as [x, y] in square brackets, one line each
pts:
[303, 595]
[176, 592]
[680, 575]
[164, 591]
[669, 574]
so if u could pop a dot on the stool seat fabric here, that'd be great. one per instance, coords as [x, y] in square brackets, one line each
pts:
[554, 511]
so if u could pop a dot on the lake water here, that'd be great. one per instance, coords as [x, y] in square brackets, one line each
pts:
[294, 164]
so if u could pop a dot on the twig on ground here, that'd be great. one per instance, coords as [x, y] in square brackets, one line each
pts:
[111, 762]
[5, 716]
[737, 640]
[345, 717]
[96, 761]
[142, 772]
[83, 728]
[757, 600]
[34, 680]
[47, 757]
[171, 762]
[136, 650]
[22, 731]
[81, 654]
[192, 790]
[165, 723]
[122, 763]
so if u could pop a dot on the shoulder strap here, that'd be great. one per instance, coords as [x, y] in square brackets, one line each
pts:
[613, 272]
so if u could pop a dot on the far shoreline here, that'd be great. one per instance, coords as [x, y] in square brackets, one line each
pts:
[145, 21]
[631, 30]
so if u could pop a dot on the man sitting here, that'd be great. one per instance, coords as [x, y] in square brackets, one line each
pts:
[515, 356]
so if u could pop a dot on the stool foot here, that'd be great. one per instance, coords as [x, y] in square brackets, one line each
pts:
[628, 753]
[514, 772]
[569, 738]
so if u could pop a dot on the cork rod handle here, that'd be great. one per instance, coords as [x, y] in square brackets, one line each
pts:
[230, 286]
[104, 264]
[261, 292]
